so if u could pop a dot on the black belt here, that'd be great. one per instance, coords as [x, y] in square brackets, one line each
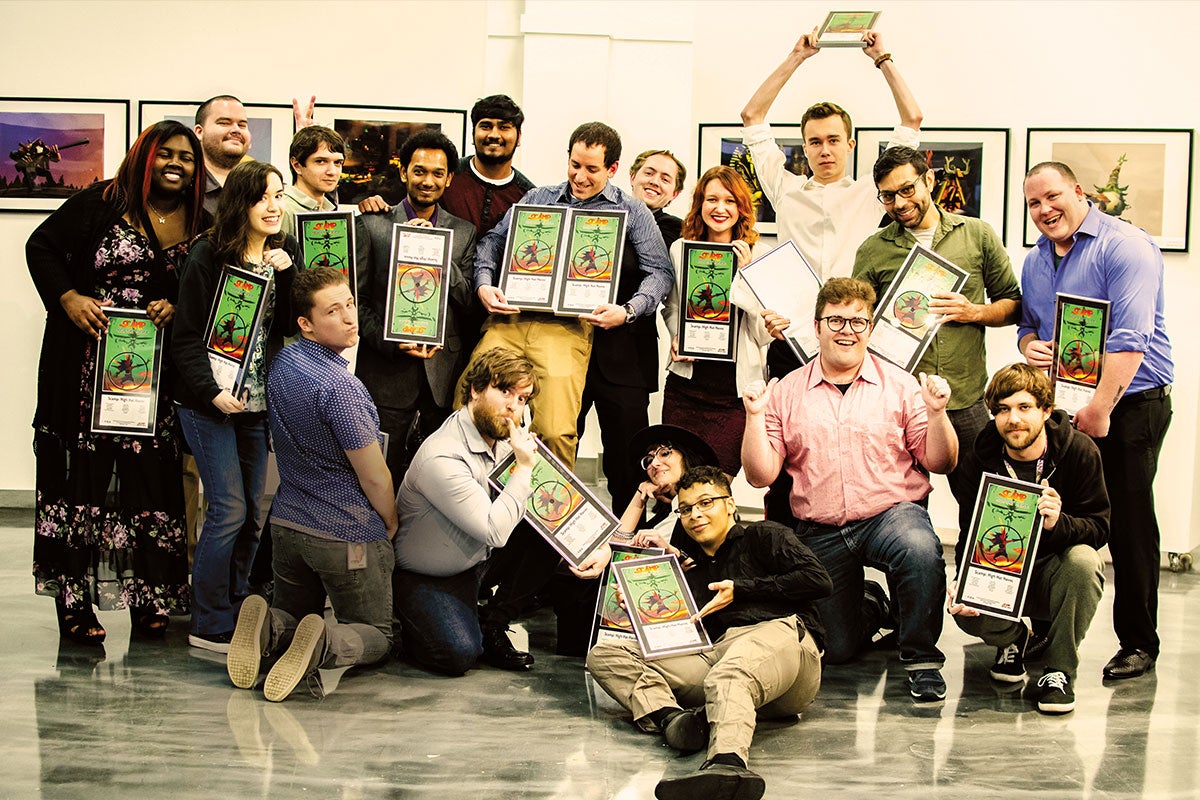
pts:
[1156, 393]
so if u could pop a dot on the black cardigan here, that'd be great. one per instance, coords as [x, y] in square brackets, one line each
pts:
[195, 386]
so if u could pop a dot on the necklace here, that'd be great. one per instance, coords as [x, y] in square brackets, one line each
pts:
[162, 218]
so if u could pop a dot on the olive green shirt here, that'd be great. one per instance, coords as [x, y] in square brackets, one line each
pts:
[957, 350]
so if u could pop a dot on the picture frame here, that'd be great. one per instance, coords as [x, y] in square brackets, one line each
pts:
[978, 189]
[664, 609]
[93, 135]
[271, 126]
[128, 374]
[903, 326]
[418, 297]
[708, 319]
[845, 28]
[1141, 175]
[373, 137]
[721, 143]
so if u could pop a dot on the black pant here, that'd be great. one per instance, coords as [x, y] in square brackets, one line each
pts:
[1130, 455]
[622, 412]
[964, 479]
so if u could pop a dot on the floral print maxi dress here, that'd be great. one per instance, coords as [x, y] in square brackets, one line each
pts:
[110, 528]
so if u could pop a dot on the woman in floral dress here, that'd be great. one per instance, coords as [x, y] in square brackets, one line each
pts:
[109, 528]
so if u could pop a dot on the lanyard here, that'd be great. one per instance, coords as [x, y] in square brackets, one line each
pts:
[1012, 473]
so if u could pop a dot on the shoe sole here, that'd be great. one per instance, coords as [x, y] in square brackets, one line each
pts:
[206, 644]
[712, 785]
[1056, 708]
[295, 664]
[245, 650]
[687, 733]
[1007, 678]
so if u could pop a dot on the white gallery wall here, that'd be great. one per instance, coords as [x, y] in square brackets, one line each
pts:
[655, 70]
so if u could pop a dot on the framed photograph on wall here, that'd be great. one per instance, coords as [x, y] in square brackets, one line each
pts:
[721, 143]
[373, 137]
[970, 167]
[51, 148]
[271, 126]
[1143, 176]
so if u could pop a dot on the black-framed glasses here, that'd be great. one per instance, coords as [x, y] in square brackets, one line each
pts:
[702, 505]
[661, 453]
[906, 191]
[836, 323]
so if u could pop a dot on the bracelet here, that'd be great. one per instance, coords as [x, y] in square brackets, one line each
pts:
[879, 61]
[622, 535]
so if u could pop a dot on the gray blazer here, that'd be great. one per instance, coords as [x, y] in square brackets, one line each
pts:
[393, 377]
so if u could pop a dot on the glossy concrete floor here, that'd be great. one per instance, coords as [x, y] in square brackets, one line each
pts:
[144, 719]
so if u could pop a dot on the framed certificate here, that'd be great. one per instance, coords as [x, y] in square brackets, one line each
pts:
[784, 282]
[418, 285]
[1080, 337]
[845, 28]
[530, 262]
[327, 240]
[903, 325]
[611, 620]
[595, 242]
[999, 558]
[234, 324]
[708, 319]
[661, 607]
[561, 508]
[128, 373]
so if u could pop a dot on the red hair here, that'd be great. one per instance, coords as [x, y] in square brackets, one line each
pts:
[694, 227]
[131, 185]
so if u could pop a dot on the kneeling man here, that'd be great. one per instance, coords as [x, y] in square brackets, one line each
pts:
[333, 516]
[1031, 441]
[758, 584]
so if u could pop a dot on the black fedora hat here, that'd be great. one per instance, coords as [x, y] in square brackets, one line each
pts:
[657, 435]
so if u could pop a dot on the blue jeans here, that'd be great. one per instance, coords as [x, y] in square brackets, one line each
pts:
[307, 569]
[900, 542]
[231, 456]
[439, 619]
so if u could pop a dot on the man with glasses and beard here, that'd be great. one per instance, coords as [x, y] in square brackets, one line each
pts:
[857, 435]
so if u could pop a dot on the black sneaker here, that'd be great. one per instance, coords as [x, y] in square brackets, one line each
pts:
[1009, 666]
[498, 651]
[926, 685]
[215, 642]
[1035, 648]
[1056, 696]
[687, 731]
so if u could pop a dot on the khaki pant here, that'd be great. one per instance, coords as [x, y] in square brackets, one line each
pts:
[772, 668]
[559, 348]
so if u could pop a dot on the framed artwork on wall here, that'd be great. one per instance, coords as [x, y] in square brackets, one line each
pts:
[271, 126]
[51, 148]
[1143, 176]
[970, 168]
[373, 137]
[721, 144]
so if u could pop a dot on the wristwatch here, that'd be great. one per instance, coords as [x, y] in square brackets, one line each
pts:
[630, 316]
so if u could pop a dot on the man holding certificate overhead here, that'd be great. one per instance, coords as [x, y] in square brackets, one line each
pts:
[1087, 253]
[857, 435]
[407, 377]
[990, 298]
[1031, 441]
[759, 584]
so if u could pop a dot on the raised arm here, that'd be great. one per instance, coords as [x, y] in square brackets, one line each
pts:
[906, 104]
[755, 112]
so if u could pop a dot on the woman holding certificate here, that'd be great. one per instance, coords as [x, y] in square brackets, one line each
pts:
[234, 310]
[110, 529]
[715, 350]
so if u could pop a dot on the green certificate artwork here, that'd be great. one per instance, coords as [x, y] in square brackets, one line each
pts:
[998, 561]
[327, 240]
[595, 241]
[128, 373]
[707, 323]
[612, 622]
[904, 326]
[1080, 339]
[233, 324]
[660, 606]
[531, 255]
[418, 299]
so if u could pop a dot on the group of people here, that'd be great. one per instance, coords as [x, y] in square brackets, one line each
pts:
[384, 506]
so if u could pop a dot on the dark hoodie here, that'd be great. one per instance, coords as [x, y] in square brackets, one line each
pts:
[1073, 468]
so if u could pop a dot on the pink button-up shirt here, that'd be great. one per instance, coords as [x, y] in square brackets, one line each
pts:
[850, 456]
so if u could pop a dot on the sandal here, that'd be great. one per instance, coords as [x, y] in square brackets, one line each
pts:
[80, 626]
[149, 622]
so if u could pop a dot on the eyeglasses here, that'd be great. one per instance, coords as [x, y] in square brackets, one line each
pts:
[701, 505]
[906, 191]
[662, 454]
[835, 323]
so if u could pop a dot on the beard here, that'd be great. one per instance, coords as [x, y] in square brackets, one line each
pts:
[1019, 441]
[493, 161]
[493, 426]
[216, 154]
